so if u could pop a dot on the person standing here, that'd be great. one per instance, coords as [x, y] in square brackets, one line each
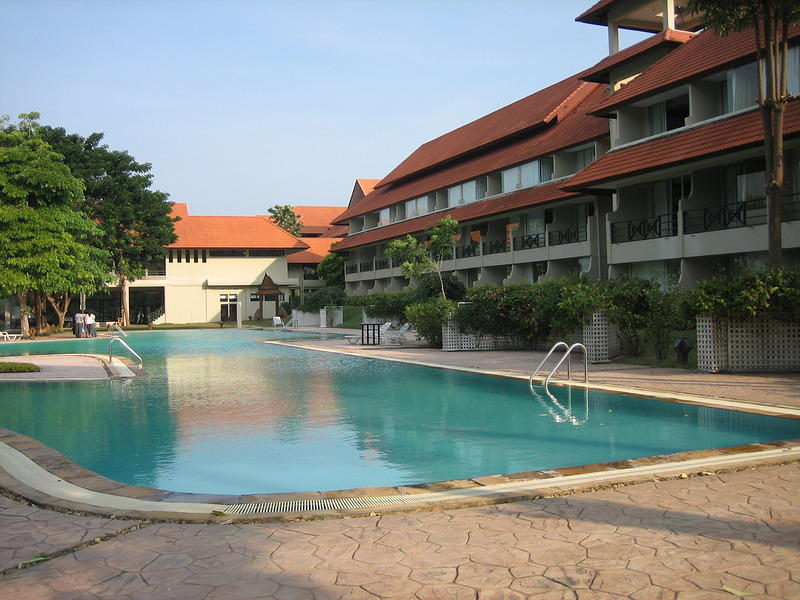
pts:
[80, 324]
[91, 324]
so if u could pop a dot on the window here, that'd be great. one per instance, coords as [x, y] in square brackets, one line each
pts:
[546, 168]
[255, 298]
[454, 196]
[264, 252]
[411, 209]
[383, 217]
[743, 87]
[750, 181]
[224, 253]
[228, 307]
[529, 174]
[793, 71]
[583, 158]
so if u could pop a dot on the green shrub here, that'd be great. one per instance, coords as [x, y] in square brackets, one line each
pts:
[428, 287]
[15, 367]
[388, 305]
[428, 318]
[327, 296]
[774, 293]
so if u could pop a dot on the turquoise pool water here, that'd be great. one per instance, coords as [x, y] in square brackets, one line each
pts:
[222, 412]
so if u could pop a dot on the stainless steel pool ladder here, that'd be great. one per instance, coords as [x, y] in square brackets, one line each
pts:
[118, 328]
[568, 357]
[131, 350]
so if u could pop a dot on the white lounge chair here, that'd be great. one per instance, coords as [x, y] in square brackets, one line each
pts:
[356, 339]
[277, 322]
[399, 336]
[9, 337]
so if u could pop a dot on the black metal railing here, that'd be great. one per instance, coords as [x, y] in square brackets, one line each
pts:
[495, 247]
[467, 251]
[366, 266]
[529, 242]
[382, 263]
[646, 228]
[349, 269]
[573, 235]
[739, 214]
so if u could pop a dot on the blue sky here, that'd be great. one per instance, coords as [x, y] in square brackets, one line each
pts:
[243, 104]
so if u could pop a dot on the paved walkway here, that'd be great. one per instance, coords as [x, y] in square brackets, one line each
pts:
[723, 537]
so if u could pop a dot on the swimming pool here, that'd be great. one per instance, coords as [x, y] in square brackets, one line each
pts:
[223, 413]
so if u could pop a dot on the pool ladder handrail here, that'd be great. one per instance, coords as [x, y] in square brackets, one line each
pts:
[124, 343]
[118, 328]
[567, 355]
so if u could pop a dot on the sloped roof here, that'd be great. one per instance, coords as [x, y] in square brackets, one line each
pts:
[179, 209]
[570, 130]
[233, 232]
[317, 248]
[736, 133]
[521, 116]
[520, 199]
[367, 185]
[668, 38]
[702, 55]
[317, 216]
[597, 14]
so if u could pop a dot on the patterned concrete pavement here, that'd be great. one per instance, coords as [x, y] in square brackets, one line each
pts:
[724, 536]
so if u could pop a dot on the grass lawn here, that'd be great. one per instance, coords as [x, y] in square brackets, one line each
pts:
[15, 367]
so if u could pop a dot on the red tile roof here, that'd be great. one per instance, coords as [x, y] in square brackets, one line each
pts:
[179, 209]
[597, 14]
[570, 130]
[523, 115]
[367, 185]
[703, 54]
[668, 38]
[736, 133]
[523, 198]
[318, 216]
[317, 248]
[233, 232]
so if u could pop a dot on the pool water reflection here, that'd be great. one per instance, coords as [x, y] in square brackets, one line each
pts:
[222, 412]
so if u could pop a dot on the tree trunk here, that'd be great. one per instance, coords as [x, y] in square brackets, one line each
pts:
[38, 310]
[60, 304]
[124, 291]
[23, 314]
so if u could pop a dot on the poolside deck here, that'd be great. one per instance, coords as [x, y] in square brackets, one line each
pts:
[713, 535]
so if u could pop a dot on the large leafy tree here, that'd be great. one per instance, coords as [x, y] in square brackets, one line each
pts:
[331, 270]
[135, 220]
[770, 20]
[45, 237]
[284, 217]
[417, 258]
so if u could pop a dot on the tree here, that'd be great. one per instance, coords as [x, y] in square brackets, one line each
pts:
[284, 217]
[417, 258]
[45, 238]
[135, 220]
[331, 270]
[770, 20]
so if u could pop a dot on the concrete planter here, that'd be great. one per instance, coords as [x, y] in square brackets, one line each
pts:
[304, 319]
[601, 339]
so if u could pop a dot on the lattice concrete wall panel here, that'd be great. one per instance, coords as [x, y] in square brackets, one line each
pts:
[601, 339]
[712, 345]
[453, 340]
[754, 345]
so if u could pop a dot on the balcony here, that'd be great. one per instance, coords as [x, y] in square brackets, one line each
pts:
[364, 267]
[529, 242]
[467, 251]
[647, 228]
[382, 263]
[495, 247]
[572, 235]
[740, 214]
[350, 269]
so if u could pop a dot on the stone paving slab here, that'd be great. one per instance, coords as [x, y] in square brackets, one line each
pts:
[27, 531]
[734, 535]
[58, 367]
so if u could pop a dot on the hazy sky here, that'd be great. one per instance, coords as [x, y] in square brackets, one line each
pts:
[242, 104]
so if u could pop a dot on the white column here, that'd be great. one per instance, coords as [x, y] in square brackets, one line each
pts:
[668, 8]
[613, 38]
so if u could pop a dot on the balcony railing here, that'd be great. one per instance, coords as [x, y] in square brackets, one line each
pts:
[739, 214]
[349, 269]
[467, 251]
[366, 266]
[382, 263]
[495, 247]
[647, 228]
[529, 242]
[573, 235]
